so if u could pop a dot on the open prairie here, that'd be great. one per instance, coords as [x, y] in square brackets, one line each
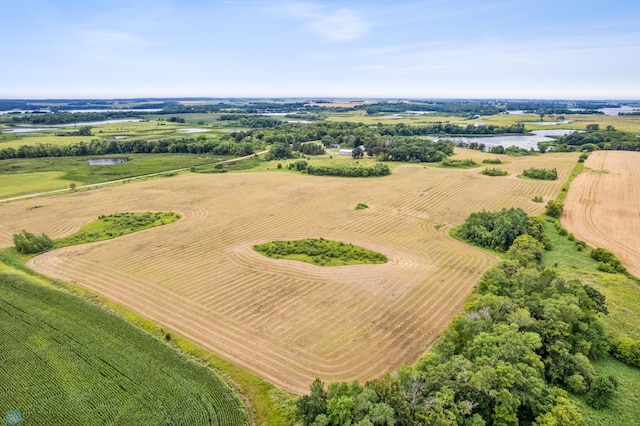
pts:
[603, 205]
[290, 321]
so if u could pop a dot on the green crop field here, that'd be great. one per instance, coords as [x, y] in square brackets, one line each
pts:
[66, 361]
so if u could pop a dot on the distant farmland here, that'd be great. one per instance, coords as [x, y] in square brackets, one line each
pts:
[285, 320]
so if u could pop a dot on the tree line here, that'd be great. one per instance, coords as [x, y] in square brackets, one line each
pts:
[201, 145]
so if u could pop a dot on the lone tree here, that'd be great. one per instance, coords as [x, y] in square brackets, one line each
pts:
[72, 186]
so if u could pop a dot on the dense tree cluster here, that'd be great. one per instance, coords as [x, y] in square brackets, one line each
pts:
[378, 169]
[308, 148]
[498, 230]
[201, 145]
[606, 139]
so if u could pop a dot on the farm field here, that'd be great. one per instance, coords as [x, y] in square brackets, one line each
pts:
[147, 130]
[33, 175]
[285, 320]
[603, 205]
[66, 361]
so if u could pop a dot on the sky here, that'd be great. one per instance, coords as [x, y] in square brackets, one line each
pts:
[562, 49]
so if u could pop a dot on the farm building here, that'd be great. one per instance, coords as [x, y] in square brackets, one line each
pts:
[345, 151]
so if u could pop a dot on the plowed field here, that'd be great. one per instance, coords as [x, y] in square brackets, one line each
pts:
[290, 321]
[603, 205]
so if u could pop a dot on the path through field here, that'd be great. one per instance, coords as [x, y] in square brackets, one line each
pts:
[603, 205]
[285, 320]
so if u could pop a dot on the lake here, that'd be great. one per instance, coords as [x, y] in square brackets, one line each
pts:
[521, 141]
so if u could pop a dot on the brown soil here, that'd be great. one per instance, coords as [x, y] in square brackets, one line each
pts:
[290, 321]
[603, 205]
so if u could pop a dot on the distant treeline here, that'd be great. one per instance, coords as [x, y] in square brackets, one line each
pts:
[104, 147]
[609, 139]
[450, 107]
[559, 107]
[51, 118]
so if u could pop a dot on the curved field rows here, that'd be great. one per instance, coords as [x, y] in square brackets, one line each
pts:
[285, 320]
[603, 205]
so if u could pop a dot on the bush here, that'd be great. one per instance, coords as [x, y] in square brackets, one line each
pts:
[301, 165]
[537, 199]
[626, 350]
[492, 161]
[526, 249]
[361, 206]
[609, 260]
[459, 163]
[583, 157]
[494, 172]
[555, 208]
[542, 174]
[601, 391]
[28, 243]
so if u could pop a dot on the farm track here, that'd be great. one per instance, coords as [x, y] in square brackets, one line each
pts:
[285, 320]
[603, 208]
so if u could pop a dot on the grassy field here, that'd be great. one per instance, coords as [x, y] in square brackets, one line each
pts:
[148, 130]
[67, 361]
[577, 121]
[225, 297]
[116, 225]
[32, 175]
[625, 407]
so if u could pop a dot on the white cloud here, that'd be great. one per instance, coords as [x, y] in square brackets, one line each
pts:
[334, 25]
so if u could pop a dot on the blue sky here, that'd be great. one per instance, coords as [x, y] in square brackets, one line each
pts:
[565, 49]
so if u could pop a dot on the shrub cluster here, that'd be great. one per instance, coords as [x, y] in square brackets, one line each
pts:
[447, 162]
[320, 252]
[494, 172]
[542, 174]
[28, 243]
[492, 161]
[608, 261]
[627, 350]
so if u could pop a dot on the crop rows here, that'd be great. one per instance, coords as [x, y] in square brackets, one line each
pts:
[603, 206]
[286, 320]
[65, 361]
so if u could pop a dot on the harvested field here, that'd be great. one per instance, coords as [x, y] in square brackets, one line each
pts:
[290, 321]
[603, 205]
